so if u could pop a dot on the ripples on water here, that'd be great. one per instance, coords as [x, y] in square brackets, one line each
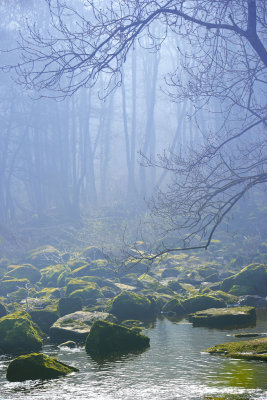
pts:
[173, 368]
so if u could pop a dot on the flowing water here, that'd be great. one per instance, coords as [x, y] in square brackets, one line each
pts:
[174, 367]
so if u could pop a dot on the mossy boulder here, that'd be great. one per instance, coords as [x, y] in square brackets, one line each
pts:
[255, 349]
[92, 252]
[173, 307]
[52, 276]
[11, 285]
[68, 305]
[201, 302]
[250, 280]
[43, 257]
[107, 338]
[129, 305]
[24, 271]
[3, 310]
[44, 318]
[88, 294]
[19, 334]
[232, 317]
[36, 366]
[76, 326]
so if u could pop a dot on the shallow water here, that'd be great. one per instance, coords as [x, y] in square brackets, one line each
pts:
[174, 367]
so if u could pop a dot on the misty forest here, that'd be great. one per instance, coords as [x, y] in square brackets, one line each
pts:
[133, 202]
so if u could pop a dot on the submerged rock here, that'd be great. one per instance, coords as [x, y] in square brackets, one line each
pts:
[250, 349]
[19, 334]
[36, 366]
[70, 344]
[224, 317]
[106, 338]
[76, 326]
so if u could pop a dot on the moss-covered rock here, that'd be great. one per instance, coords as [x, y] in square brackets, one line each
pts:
[11, 285]
[201, 302]
[88, 294]
[24, 271]
[173, 307]
[129, 305]
[3, 310]
[36, 366]
[44, 318]
[255, 349]
[76, 326]
[19, 334]
[106, 338]
[52, 276]
[92, 252]
[234, 317]
[68, 305]
[250, 280]
[43, 257]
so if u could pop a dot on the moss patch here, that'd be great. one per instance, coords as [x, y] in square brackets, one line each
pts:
[250, 349]
[36, 366]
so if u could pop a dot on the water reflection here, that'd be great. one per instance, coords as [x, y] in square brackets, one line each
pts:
[174, 367]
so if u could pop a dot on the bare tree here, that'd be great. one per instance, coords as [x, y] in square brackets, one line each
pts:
[221, 69]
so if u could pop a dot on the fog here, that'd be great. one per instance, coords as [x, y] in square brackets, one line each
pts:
[66, 158]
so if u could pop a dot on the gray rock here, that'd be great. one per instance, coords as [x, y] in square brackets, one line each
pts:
[76, 326]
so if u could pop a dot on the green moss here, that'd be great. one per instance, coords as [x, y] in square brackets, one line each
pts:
[36, 366]
[68, 305]
[43, 256]
[24, 271]
[224, 317]
[250, 280]
[18, 334]
[174, 306]
[88, 294]
[93, 253]
[50, 275]
[106, 338]
[201, 302]
[255, 349]
[11, 285]
[129, 305]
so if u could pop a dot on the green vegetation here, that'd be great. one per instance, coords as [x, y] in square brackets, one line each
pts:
[26, 271]
[255, 349]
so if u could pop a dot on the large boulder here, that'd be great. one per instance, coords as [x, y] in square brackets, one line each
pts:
[68, 305]
[36, 366]
[43, 256]
[255, 349]
[19, 334]
[235, 317]
[106, 338]
[3, 310]
[24, 271]
[251, 280]
[129, 305]
[44, 318]
[201, 302]
[173, 307]
[76, 326]
[54, 276]
[94, 253]
[8, 285]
